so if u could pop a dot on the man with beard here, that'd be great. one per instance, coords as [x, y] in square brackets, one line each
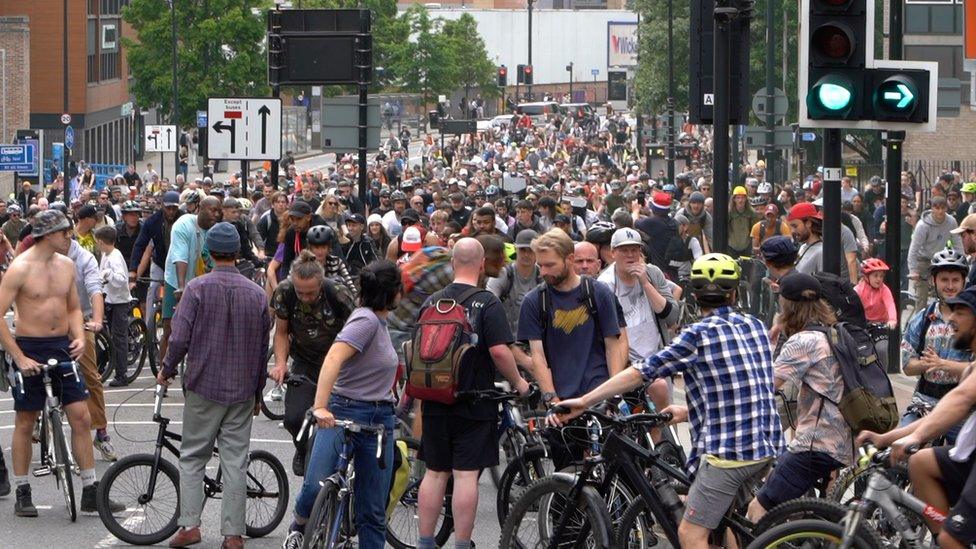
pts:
[155, 231]
[806, 224]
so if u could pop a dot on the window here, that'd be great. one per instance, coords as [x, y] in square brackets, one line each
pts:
[110, 37]
[92, 50]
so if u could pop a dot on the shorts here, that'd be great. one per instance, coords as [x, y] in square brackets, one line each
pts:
[169, 301]
[30, 396]
[794, 475]
[959, 482]
[452, 443]
[716, 489]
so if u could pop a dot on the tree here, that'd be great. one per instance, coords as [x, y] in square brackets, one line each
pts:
[424, 63]
[220, 52]
[651, 79]
[473, 68]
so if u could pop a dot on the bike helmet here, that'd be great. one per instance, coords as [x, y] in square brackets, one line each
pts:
[873, 264]
[385, 192]
[600, 233]
[131, 206]
[779, 250]
[765, 188]
[949, 259]
[739, 191]
[398, 195]
[319, 235]
[759, 200]
[491, 191]
[713, 278]
[193, 197]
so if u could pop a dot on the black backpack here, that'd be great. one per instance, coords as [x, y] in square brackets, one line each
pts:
[839, 292]
[679, 250]
[868, 401]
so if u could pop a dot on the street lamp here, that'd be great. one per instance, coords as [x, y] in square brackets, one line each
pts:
[569, 68]
[176, 101]
[528, 87]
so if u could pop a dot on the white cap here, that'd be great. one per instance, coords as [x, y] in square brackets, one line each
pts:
[624, 237]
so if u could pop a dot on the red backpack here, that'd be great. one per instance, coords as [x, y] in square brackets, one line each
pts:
[441, 339]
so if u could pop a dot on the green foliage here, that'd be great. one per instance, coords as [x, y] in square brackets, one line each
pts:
[219, 51]
[651, 80]
[472, 67]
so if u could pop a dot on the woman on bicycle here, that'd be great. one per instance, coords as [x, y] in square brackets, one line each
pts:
[356, 384]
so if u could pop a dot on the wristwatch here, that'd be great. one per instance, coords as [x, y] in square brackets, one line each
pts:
[548, 396]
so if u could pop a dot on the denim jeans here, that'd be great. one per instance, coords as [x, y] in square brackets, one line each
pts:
[908, 418]
[372, 486]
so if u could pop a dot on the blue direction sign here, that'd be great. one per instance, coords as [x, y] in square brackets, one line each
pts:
[16, 158]
[809, 136]
[594, 72]
[201, 119]
[69, 137]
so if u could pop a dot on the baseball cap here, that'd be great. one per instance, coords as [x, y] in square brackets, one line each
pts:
[798, 286]
[803, 210]
[300, 208]
[966, 297]
[525, 237]
[356, 218]
[87, 211]
[968, 224]
[624, 237]
[772, 209]
[47, 222]
[171, 198]
[562, 218]
[411, 241]
[410, 216]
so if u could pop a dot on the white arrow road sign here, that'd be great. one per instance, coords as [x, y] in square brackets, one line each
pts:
[240, 128]
[161, 139]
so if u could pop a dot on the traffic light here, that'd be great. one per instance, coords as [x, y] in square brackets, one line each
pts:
[900, 95]
[520, 74]
[528, 75]
[502, 76]
[836, 59]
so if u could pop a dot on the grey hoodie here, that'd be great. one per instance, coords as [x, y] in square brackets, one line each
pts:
[929, 237]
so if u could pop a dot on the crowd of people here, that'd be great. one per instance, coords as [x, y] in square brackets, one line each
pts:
[573, 266]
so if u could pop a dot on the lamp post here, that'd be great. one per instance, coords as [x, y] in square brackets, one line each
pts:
[569, 68]
[528, 87]
[670, 100]
[176, 101]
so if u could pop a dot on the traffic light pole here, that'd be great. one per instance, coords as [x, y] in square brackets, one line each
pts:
[893, 142]
[832, 254]
[770, 89]
[528, 87]
[670, 146]
[724, 15]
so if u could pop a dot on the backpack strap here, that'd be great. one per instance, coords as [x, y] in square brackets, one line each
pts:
[832, 341]
[510, 277]
[926, 322]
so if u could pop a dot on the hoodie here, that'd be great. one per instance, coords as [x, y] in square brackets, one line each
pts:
[698, 225]
[929, 237]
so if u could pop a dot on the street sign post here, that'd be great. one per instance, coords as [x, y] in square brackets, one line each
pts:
[16, 158]
[160, 139]
[755, 137]
[201, 119]
[240, 128]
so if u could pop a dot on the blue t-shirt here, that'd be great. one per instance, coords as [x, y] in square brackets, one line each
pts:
[574, 344]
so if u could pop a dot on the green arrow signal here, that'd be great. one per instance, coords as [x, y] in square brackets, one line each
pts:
[903, 95]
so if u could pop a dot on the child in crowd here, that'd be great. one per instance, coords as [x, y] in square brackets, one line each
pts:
[115, 279]
[879, 305]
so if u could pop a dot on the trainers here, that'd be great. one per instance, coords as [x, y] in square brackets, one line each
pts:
[89, 501]
[118, 382]
[298, 463]
[294, 540]
[24, 507]
[106, 449]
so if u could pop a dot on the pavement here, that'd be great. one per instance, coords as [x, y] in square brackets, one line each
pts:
[129, 412]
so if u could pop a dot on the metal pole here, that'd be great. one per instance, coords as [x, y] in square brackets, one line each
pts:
[670, 100]
[893, 159]
[365, 62]
[528, 87]
[245, 172]
[64, 54]
[275, 28]
[832, 255]
[770, 89]
[570, 81]
[176, 101]
[722, 47]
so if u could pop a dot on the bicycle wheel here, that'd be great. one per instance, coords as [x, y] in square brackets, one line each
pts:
[534, 518]
[852, 481]
[273, 402]
[801, 509]
[811, 534]
[510, 444]
[638, 529]
[267, 494]
[103, 353]
[518, 476]
[147, 519]
[136, 354]
[324, 526]
[401, 522]
[61, 465]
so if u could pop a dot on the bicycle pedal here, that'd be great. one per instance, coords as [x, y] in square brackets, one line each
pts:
[41, 471]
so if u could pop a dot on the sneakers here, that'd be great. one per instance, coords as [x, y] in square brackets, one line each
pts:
[89, 501]
[118, 382]
[298, 463]
[106, 449]
[24, 507]
[294, 540]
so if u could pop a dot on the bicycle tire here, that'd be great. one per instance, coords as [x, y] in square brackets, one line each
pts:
[117, 525]
[533, 461]
[257, 491]
[829, 533]
[274, 414]
[856, 479]
[634, 528]
[802, 509]
[136, 356]
[591, 515]
[62, 468]
[322, 519]
[408, 501]
[509, 450]
[103, 353]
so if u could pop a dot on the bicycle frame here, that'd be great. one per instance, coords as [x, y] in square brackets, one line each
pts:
[883, 493]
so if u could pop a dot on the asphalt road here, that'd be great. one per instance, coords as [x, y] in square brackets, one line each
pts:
[132, 430]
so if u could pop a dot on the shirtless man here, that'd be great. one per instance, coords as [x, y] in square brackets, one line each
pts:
[41, 284]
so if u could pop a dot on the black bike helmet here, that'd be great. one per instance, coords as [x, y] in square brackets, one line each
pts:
[320, 234]
[947, 260]
[600, 233]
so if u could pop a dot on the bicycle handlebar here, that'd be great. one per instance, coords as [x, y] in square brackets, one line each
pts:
[351, 426]
[643, 418]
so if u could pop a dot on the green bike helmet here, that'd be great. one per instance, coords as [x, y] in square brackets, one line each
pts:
[713, 279]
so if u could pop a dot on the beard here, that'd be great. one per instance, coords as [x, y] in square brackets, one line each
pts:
[556, 280]
[963, 342]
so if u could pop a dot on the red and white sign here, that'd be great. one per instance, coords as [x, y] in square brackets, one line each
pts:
[65, 119]
[161, 138]
[243, 128]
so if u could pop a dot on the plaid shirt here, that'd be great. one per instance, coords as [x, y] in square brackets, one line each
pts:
[222, 325]
[727, 362]
[432, 281]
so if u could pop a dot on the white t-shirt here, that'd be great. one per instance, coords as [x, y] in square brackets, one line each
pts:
[642, 329]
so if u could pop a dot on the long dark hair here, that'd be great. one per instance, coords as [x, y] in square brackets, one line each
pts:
[379, 284]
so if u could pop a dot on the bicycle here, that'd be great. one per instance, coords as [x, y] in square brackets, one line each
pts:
[149, 487]
[55, 456]
[136, 353]
[401, 521]
[273, 401]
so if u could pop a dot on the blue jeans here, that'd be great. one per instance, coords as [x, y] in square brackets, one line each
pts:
[372, 485]
[908, 418]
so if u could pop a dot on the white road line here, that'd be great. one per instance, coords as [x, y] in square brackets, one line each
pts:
[126, 405]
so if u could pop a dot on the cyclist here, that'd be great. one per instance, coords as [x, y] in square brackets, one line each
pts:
[355, 384]
[927, 350]
[944, 477]
[156, 230]
[806, 224]
[40, 282]
[822, 441]
[779, 254]
[321, 242]
[727, 364]
[310, 311]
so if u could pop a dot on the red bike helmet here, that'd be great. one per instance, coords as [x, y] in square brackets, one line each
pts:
[873, 264]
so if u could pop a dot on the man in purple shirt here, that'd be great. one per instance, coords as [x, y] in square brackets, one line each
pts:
[221, 326]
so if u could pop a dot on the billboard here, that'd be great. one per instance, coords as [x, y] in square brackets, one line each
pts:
[621, 43]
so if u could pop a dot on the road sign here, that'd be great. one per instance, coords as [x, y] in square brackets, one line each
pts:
[594, 72]
[808, 136]
[65, 119]
[780, 105]
[756, 137]
[161, 138]
[240, 128]
[16, 158]
[459, 127]
[69, 137]
[201, 119]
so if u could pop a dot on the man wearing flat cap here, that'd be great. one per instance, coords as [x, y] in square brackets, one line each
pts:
[221, 327]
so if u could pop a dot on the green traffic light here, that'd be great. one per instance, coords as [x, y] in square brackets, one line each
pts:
[834, 97]
[897, 94]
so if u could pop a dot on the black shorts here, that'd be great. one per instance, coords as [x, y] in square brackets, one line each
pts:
[794, 475]
[64, 383]
[453, 443]
[959, 482]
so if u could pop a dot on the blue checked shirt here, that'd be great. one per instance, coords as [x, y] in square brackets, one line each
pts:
[727, 362]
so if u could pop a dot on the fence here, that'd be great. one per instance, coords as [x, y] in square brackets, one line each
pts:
[105, 172]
